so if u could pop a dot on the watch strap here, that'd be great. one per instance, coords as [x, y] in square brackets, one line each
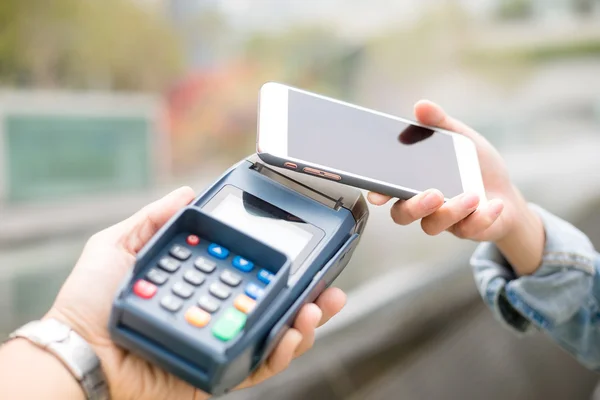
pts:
[72, 350]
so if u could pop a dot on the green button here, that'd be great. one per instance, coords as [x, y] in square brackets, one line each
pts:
[229, 325]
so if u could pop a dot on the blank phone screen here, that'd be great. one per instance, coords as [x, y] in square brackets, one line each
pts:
[370, 145]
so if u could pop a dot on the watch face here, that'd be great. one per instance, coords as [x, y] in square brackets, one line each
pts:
[48, 331]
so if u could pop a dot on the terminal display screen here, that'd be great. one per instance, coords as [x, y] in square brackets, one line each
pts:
[257, 218]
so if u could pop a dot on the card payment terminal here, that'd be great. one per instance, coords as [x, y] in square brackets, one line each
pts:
[216, 288]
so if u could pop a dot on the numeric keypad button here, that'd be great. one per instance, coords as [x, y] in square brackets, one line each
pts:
[180, 252]
[193, 277]
[230, 278]
[169, 264]
[171, 303]
[208, 304]
[157, 276]
[183, 290]
[205, 265]
[220, 291]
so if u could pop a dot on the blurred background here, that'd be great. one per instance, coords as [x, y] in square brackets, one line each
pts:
[105, 106]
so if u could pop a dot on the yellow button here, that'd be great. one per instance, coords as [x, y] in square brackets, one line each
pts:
[244, 303]
[197, 317]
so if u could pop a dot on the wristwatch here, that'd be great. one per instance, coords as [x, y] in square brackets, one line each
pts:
[72, 350]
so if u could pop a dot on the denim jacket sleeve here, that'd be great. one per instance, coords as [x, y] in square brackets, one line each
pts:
[561, 298]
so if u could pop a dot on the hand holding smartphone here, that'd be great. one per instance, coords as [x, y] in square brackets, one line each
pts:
[335, 140]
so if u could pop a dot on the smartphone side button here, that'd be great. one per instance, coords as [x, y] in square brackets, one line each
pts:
[290, 165]
[313, 171]
[332, 176]
[324, 174]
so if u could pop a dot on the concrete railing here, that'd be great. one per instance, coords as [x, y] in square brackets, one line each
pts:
[392, 295]
[407, 302]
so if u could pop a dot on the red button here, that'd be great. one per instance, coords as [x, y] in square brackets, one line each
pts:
[144, 289]
[193, 240]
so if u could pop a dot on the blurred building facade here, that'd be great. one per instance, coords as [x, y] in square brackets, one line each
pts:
[165, 93]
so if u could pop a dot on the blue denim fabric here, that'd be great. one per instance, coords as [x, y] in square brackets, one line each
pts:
[561, 298]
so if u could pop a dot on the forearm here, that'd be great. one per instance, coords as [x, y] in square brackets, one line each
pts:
[554, 288]
[523, 247]
[29, 372]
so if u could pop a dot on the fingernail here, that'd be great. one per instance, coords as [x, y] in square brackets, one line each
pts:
[470, 200]
[431, 200]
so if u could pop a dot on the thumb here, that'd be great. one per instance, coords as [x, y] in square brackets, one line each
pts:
[429, 113]
[135, 231]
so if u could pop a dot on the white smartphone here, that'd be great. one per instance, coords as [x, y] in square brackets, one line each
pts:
[353, 145]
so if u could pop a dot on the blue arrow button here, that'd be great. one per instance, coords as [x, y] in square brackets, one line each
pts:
[218, 251]
[242, 264]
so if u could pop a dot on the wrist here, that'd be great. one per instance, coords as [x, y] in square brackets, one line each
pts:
[22, 362]
[200, 395]
[523, 244]
[99, 342]
[123, 382]
[78, 351]
[79, 325]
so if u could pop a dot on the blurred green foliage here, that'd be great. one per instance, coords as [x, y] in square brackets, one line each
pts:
[307, 56]
[86, 44]
[524, 9]
[414, 51]
[575, 47]
[514, 9]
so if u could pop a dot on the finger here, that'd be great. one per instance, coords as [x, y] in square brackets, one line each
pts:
[284, 352]
[277, 361]
[405, 212]
[479, 221]
[139, 228]
[431, 114]
[306, 323]
[377, 199]
[450, 213]
[331, 302]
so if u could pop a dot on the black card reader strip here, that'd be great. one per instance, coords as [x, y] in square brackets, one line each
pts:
[297, 186]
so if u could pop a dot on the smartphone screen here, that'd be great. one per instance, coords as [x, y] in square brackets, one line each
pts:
[371, 145]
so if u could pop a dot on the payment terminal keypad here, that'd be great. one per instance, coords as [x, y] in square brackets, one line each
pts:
[157, 277]
[206, 284]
